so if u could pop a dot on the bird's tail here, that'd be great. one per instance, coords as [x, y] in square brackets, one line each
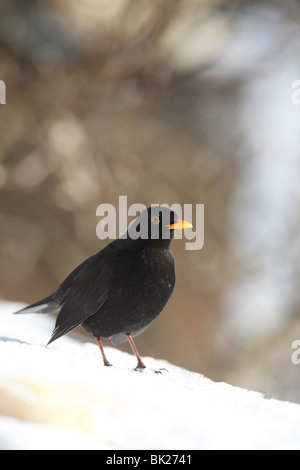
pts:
[47, 305]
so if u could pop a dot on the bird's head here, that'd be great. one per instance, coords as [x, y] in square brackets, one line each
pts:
[156, 224]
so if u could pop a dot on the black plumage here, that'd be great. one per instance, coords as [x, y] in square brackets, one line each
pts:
[119, 291]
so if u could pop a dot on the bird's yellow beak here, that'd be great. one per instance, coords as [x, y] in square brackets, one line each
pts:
[180, 225]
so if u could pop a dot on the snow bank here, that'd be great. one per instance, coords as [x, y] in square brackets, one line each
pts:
[61, 397]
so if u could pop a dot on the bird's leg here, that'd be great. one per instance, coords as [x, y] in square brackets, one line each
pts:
[140, 364]
[105, 361]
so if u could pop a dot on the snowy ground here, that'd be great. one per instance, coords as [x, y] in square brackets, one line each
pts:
[61, 397]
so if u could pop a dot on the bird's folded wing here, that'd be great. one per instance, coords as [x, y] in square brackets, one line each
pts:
[71, 316]
[83, 294]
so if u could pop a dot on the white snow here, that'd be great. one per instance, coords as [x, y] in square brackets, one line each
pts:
[61, 397]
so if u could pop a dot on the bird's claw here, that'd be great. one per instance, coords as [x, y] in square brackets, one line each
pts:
[160, 371]
[156, 371]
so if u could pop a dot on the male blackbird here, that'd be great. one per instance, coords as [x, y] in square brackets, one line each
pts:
[119, 291]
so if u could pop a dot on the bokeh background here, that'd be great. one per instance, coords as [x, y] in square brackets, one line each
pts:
[164, 101]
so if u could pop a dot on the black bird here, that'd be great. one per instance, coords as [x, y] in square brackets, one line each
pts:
[119, 291]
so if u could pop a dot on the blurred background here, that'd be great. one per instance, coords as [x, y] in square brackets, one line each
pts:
[164, 101]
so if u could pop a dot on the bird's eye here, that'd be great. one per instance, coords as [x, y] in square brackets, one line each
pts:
[155, 220]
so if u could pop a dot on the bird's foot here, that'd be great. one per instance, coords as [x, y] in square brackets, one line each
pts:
[156, 371]
[140, 366]
[160, 371]
[105, 361]
[107, 364]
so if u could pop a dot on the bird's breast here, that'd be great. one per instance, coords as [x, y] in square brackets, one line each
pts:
[157, 273]
[150, 279]
[140, 288]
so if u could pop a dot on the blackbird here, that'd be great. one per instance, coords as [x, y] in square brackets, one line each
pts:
[120, 290]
